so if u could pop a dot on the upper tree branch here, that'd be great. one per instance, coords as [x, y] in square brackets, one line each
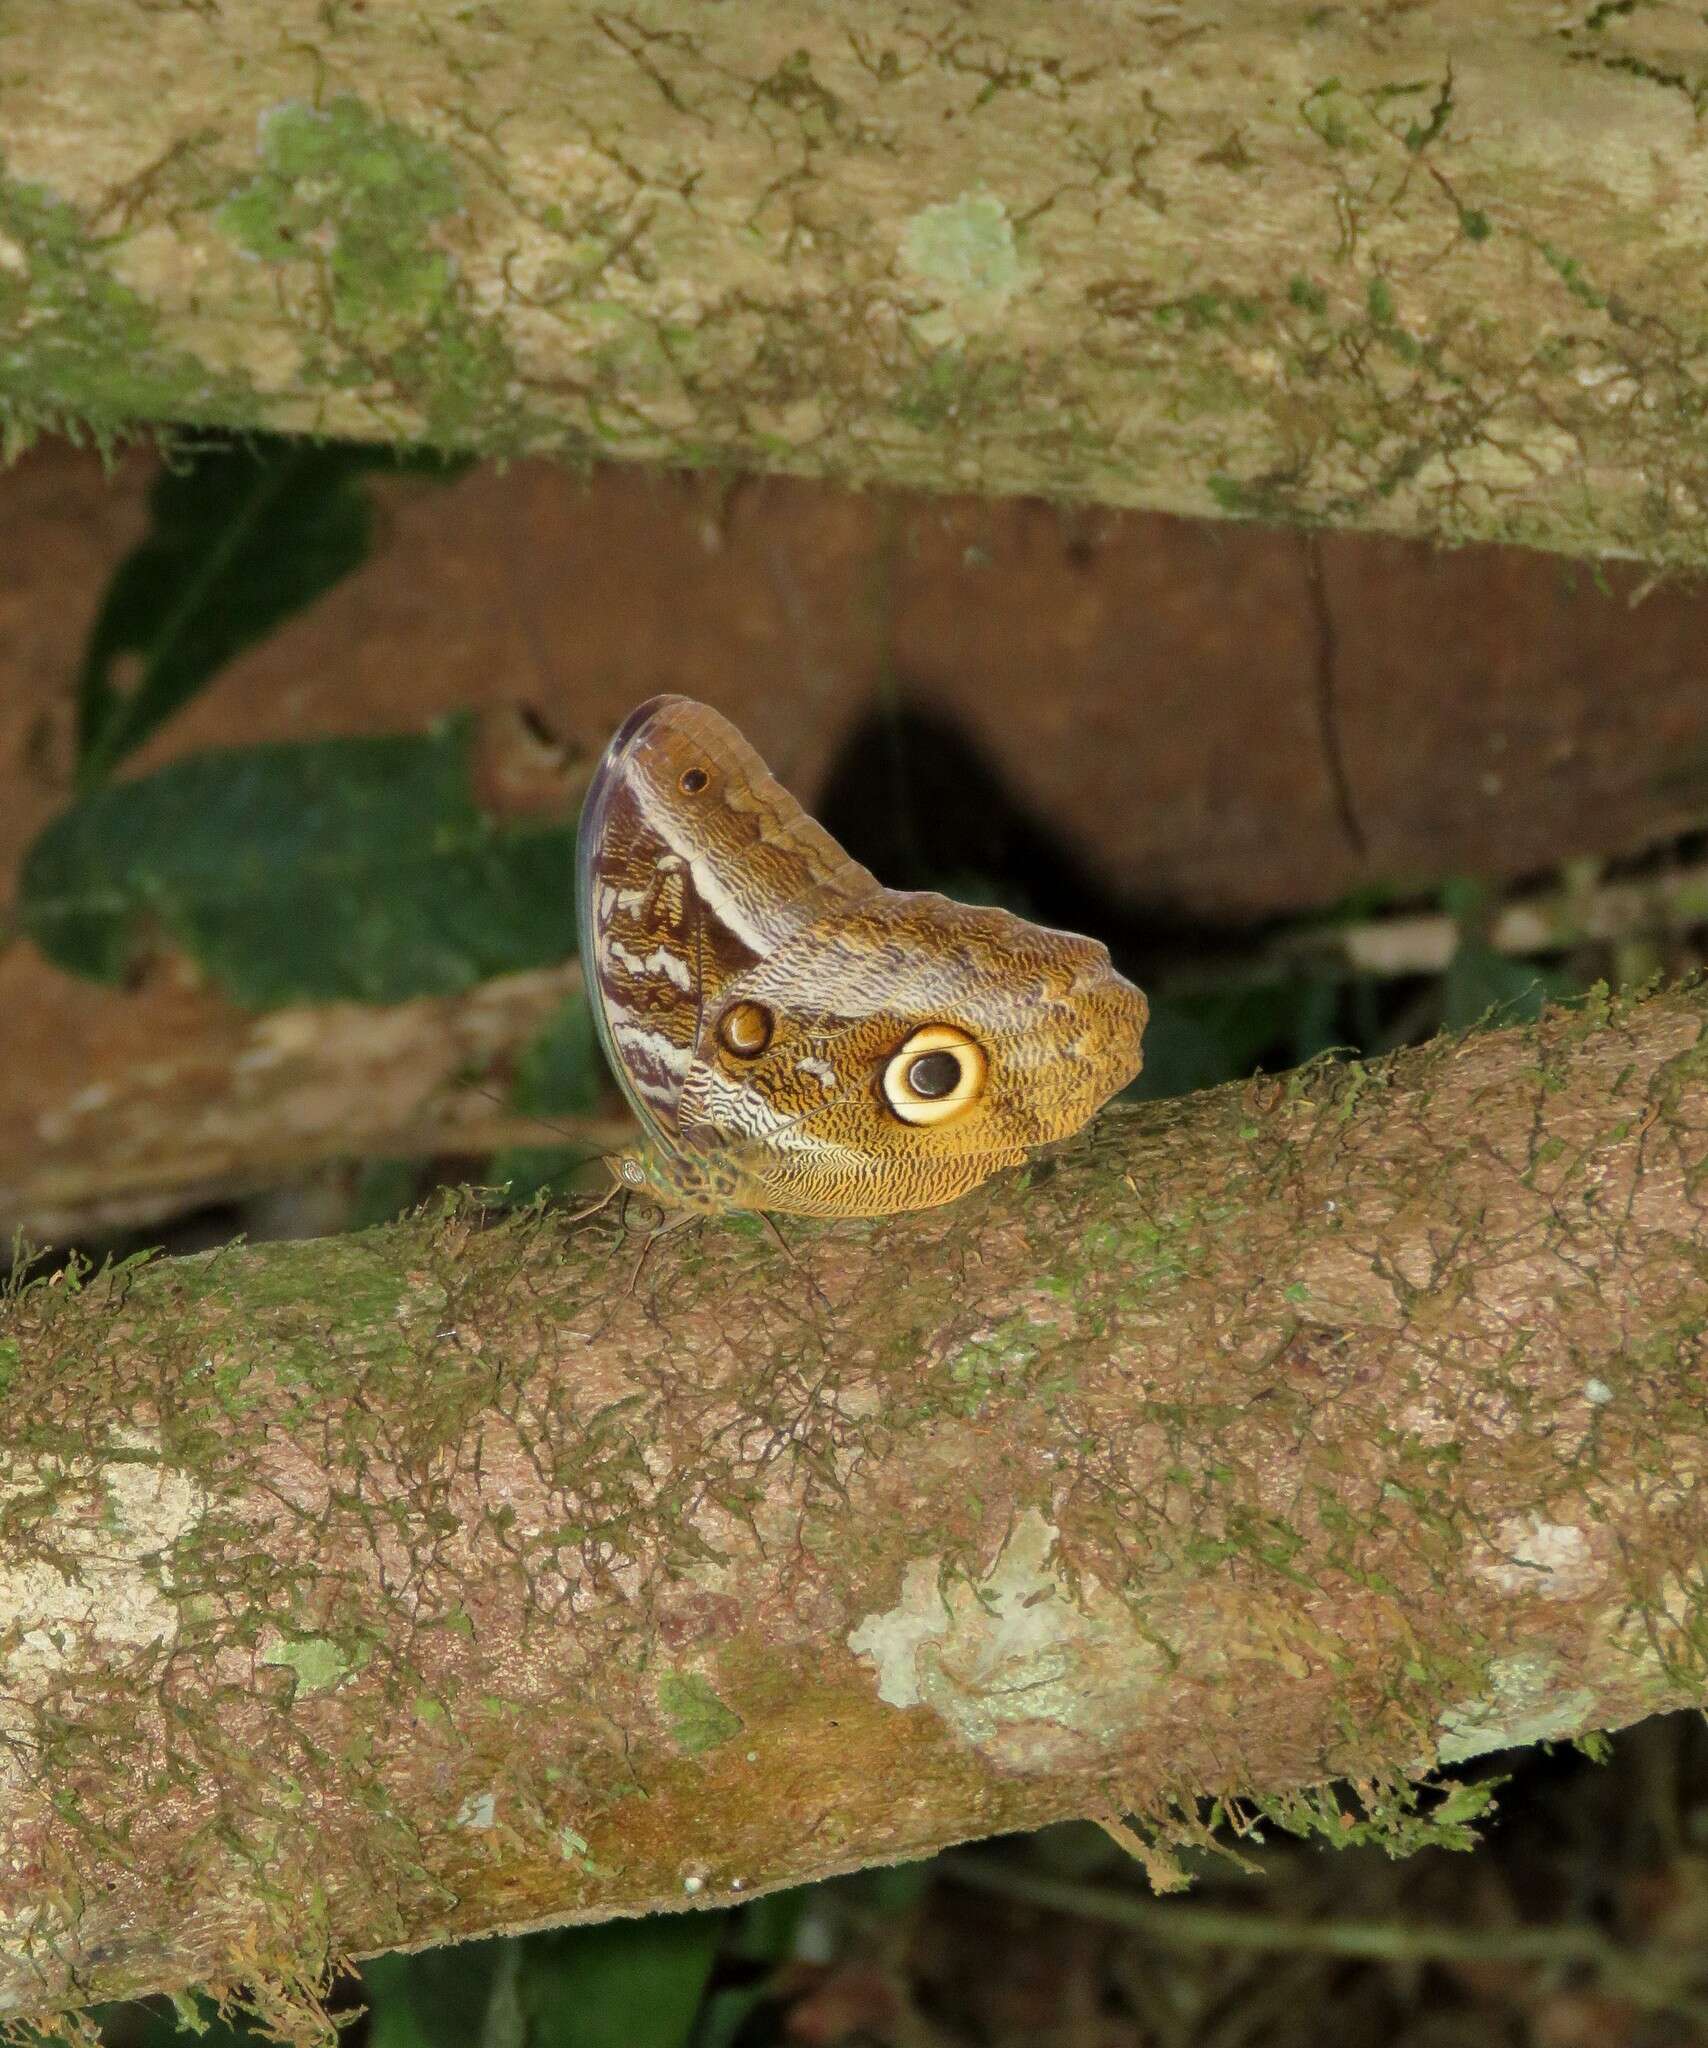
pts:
[374, 1590]
[1422, 272]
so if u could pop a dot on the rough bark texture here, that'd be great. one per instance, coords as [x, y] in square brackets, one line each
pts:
[1438, 714]
[1434, 269]
[381, 1590]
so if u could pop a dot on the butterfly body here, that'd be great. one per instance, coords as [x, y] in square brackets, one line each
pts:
[793, 1036]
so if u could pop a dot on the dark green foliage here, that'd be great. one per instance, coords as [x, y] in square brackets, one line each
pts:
[560, 1074]
[357, 868]
[243, 537]
[385, 1189]
[1197, 1041]
[623, 1984]
[1482, 986]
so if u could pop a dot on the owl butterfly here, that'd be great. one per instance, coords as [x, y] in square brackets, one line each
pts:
[792, 1035]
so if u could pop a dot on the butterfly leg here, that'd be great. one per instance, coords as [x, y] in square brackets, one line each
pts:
[647, 1243]
[593, 1208]
[674, 1219]
[792, 1256]
[670, 1220]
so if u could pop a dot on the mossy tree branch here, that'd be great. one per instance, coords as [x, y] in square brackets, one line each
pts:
[376, 1591]
[1422, 269]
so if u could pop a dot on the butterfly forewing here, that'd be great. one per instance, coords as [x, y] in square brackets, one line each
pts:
[693, 863]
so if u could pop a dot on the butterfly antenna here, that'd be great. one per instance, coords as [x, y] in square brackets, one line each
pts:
[539, 1117]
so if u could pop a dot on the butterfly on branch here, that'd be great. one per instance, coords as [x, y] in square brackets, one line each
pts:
[793, 1036]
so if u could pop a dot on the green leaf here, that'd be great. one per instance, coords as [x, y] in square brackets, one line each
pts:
[243, 536]
[560, 1073]
[175, 2022]
[359, 869]
[1482, 986]
[385, 1189]
[1198, 1041]
[522, 1173]
[726, 2013]
[391, 2015]
[625, 1984]
[765, 1930]
[890, 1888]
[435, 1999]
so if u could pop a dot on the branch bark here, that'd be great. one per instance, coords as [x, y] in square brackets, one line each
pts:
[377, 1591]
[1419, 270]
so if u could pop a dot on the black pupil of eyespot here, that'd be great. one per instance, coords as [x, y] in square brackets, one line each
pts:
[934, 1074]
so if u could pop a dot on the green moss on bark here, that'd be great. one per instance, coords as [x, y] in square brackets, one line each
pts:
[81, 352]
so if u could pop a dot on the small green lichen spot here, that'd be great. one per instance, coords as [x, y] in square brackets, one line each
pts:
[967, 251]
[574, 1848]
[341, 186]
[989, 1367]
[317, 1662]
[698, 1719]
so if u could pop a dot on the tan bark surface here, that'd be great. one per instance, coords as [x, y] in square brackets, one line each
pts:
[1429, 269]
[378, 1590]
[1211, 748]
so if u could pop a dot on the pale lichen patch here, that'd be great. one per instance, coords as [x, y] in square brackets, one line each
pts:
[966, 252]
[1521, 1706]
[1547, 1560]
[1032, 1675]
[317, 1662]
[118, 1512]
[478, 1812]
[574, 1848]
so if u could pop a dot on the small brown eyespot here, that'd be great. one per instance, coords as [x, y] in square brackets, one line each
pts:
[936, 1076]
[692, 781]
[744, 1030]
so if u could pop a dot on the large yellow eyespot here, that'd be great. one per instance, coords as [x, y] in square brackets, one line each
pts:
[936, 1076]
